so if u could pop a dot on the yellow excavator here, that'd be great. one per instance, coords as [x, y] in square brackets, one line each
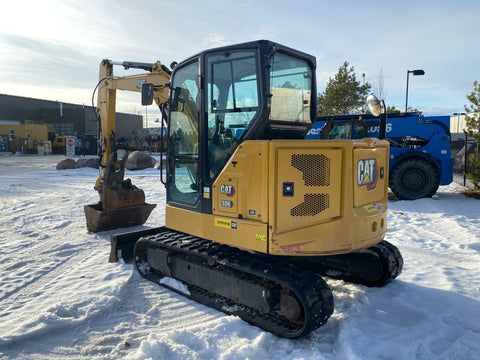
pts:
[255, 214]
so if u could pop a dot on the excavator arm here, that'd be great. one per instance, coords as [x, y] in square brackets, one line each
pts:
[121, 203]
[158, 75]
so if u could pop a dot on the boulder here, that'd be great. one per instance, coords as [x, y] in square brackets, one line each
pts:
[66, 164]
[139, 161]
[87, 162]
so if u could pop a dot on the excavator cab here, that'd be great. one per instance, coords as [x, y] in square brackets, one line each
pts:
[223, 97]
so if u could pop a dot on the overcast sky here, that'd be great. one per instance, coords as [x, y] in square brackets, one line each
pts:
[52, 49]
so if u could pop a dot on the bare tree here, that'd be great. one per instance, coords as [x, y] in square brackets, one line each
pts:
[379, 85]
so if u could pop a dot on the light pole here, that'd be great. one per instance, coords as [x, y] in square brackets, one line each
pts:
[415, 73]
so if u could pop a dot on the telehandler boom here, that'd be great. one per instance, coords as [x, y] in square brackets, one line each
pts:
[256, 214]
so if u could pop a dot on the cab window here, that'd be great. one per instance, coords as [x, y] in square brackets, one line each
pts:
[290, 88]
[232, 103]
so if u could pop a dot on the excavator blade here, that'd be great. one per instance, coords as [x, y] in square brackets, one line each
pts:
[122, 244]
[99, 219]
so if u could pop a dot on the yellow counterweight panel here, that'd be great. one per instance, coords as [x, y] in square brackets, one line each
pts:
[312, 187]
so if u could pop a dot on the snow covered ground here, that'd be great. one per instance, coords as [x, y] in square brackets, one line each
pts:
[61, 299]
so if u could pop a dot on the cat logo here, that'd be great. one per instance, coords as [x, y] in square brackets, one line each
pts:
[367, 173]
[228, 190]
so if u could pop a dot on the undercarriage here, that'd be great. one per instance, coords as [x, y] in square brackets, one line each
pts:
[283, 295]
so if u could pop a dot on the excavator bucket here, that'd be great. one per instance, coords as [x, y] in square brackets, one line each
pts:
[99, 219]
[121, 204]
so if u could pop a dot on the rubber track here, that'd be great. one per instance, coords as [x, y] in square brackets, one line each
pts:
[313, 293]
[392, 259]
[386, 254]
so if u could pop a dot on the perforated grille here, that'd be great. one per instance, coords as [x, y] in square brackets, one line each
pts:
[315, 168]
[312, 205]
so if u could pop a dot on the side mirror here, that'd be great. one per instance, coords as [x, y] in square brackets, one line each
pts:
[147, 94]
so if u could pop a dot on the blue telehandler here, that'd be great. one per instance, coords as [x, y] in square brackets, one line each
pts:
[420, 157]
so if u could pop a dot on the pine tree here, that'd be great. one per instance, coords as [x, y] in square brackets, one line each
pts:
[392, 109]
[343, 94]
[472, 125]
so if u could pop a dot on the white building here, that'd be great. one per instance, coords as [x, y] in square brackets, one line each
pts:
[457, 124]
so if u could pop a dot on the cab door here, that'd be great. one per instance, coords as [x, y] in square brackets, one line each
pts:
[184, 146]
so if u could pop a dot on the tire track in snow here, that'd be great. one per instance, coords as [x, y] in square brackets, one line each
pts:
[43, 230]
[155, 307]
[73, 292]
[40, 280]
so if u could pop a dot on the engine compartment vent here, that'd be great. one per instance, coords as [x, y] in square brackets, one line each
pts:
[315, 168]
[312, 205]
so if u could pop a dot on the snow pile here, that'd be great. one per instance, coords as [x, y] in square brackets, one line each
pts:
[61, 299]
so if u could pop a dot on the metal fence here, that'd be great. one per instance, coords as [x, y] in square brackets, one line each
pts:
[462, 163]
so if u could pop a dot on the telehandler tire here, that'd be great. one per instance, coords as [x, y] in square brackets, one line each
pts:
[413, 179]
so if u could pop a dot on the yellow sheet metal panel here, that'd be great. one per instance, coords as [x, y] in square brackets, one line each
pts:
[308, 185]
[307, 195]
[370, 224]
[355, 230]
[241, 190]
[241, 233]
[370, 170]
